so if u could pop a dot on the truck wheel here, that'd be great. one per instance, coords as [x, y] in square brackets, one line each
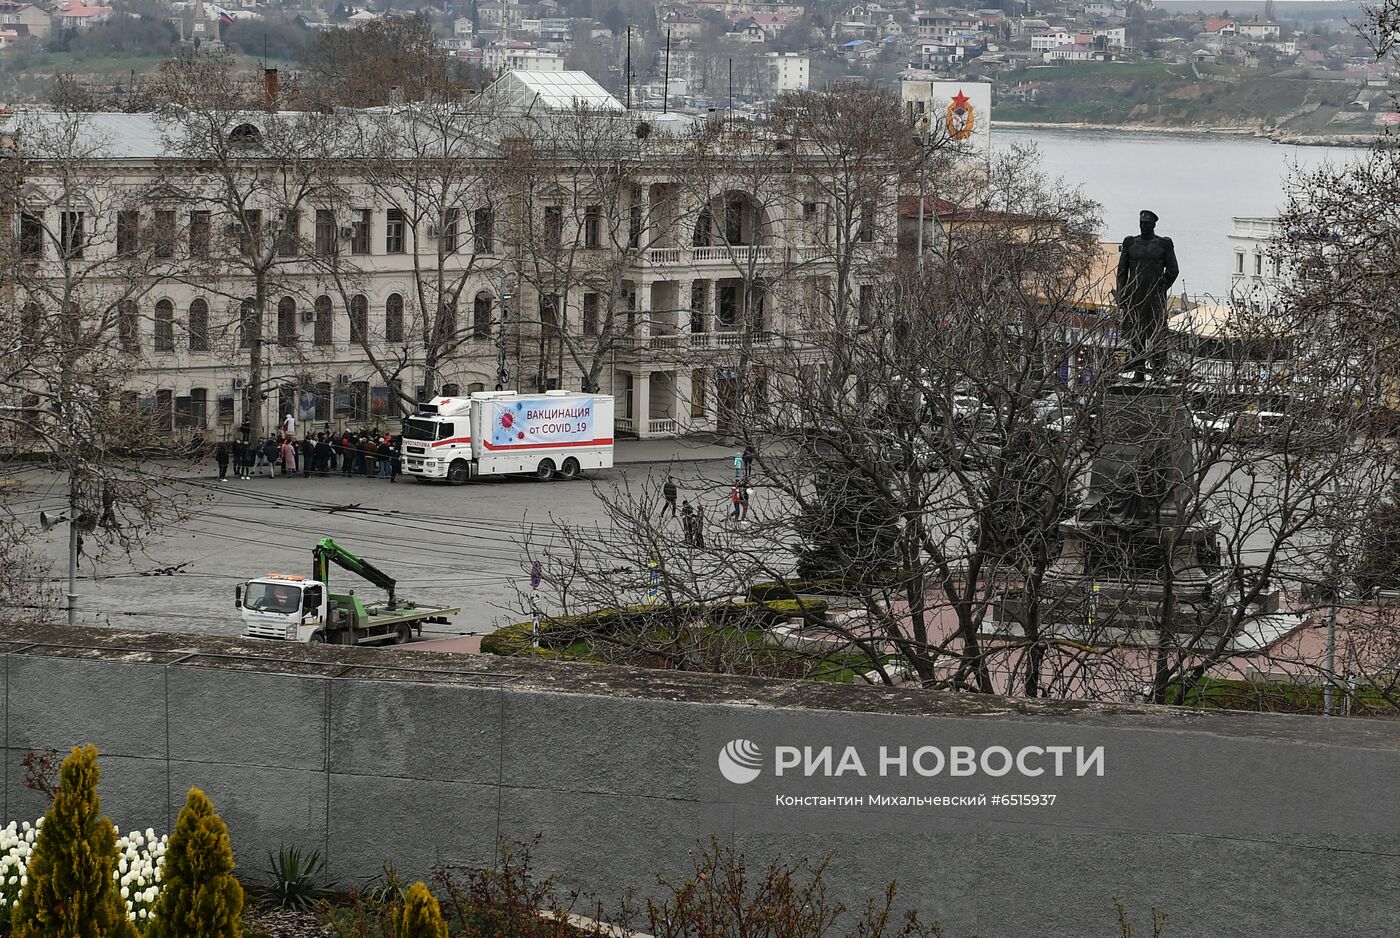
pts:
[570, 468]
[459, 472]
[318, 637]
[545, 471]
[404, 634]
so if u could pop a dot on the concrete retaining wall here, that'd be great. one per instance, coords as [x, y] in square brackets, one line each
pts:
[1235, 824]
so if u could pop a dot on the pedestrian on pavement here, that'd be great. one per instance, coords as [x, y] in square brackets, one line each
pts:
[738, 466]
[347, 459]
[688, 520]
[748, 457]
[323, 455]
[289, 457]
[386, 457]
[270, 455]
[395, 458]
[289, 427]
[734, 499]
[221, 457]
[669, 492]
[698, 532]
[744, 494]
[259, 456]
[245, 430]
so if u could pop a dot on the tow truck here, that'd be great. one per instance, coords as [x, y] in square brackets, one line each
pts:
[285, 607]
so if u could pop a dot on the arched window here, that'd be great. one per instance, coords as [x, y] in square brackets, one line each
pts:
[359, 318]
[165, 326]
[247, 322]
[325, 321]
[703, 224]
[286, 321]
[245, 135]
[199, 326]
[393, 318]
[445, 329]
[481, 316]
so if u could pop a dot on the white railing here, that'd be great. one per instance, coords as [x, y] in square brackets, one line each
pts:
[625, 424]
[738, 255]
[658, 426]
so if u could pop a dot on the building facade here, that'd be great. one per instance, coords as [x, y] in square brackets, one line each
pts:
[654, 284]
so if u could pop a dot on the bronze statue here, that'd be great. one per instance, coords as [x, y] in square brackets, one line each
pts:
[1146, 270]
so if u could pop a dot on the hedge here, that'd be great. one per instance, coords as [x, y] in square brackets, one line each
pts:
[834, 586]
[557, 632]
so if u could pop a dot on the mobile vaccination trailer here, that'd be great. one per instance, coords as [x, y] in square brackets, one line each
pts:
[554, 434]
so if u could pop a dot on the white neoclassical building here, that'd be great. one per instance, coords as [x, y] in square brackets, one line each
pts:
[343, 265]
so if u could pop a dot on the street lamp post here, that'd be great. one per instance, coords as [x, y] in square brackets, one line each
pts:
[502, 375]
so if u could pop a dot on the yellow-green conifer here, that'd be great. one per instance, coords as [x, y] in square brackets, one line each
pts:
[71, 892]
[419, 916]
[199, 896]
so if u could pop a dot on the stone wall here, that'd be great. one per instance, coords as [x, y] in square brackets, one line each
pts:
[1235, 824]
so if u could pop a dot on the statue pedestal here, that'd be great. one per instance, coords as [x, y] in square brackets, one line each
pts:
[1133, 550]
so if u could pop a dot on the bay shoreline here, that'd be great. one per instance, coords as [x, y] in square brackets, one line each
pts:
[1227, 130]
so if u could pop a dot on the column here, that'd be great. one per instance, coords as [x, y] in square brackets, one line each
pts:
[643, 320]
[681, 409]
[641, 403]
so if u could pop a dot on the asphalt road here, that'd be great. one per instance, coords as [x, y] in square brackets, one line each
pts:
[454, 546]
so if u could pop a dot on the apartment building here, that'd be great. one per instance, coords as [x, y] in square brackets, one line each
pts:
[658, 289]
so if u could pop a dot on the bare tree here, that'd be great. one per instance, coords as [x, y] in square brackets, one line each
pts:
[263, 172]
[79, 259]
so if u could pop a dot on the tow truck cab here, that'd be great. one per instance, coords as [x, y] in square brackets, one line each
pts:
[282, 606]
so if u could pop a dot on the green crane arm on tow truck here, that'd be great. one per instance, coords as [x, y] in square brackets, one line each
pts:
[328, 551]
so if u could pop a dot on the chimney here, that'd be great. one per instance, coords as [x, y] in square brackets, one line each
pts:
[270, 89]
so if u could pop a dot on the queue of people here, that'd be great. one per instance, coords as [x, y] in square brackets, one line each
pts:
[363, 453]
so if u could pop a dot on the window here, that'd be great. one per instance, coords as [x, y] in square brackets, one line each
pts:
[393, 318]
[1258, 265]
[866, 233]
[1239, 262]
[590, 314]
[360, 232]
[450, 219]
[199, 408]
[286, 321]
[199, 326]
[734, 221]
[592, 225]
[289, 234]
[728, 304]
[699, 302]
[165, 233]
[199, 234]
[445, 329]
[165, 326]
[634, 225]
[225, 406]
[481, 316]
[359, 400]
[865, 302]
[31, 321]
[250, 232]
[703, 223]
[323, 401]
[359, 318]
[325, 321]
[553, 226]
[549, 313]
[247, 323]
[128, 322]
[450, 390]
[31, 234]
[394, 232]
[325, 231]
[70, 233]
[483, 231]
[164, 414]
[128, 231]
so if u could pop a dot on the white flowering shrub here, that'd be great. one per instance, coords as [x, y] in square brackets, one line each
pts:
[139, 858]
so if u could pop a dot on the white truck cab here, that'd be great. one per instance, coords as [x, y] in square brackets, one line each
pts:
[283, 606]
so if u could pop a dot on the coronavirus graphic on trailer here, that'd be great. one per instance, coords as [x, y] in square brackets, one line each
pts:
[541, 421]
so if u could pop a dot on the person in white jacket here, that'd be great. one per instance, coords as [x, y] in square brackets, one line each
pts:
[289, 427]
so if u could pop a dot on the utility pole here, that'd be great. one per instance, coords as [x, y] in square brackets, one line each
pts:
[666, 77]
[627, 78]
